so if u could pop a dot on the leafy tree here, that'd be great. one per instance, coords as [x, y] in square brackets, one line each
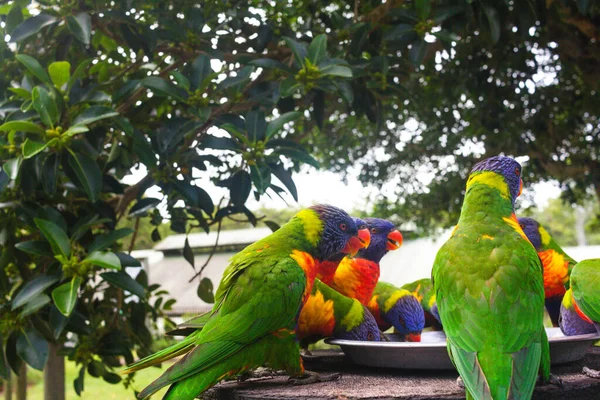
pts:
[236, 91]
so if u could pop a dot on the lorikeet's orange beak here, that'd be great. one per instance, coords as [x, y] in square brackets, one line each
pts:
[358, 242]
[580, 313]
[520, 186]
[394, 240]
[413, 337]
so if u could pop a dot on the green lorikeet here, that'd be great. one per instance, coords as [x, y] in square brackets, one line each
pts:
[327, 313]
[571, 320]
[585, 285]
[357, 276]
[399, 308]
[557, 265]
[253, 322]
[489, 289]
[422, 289]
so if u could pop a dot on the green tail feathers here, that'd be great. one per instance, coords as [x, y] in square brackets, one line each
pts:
[175, 350]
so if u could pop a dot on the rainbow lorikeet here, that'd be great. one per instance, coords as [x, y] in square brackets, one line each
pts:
[357, 276]
[422, 289]
[326, 269]
[256, 307]
[585, 281]
[571, 320]
[489, 289]
[392, 306]
[556, 263]
[327, 313]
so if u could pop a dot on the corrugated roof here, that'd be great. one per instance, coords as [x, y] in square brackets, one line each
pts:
[203, 240]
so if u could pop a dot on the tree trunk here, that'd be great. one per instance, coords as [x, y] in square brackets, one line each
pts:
[54, 375]
[8, 386]
[580, 226]
[22, 383]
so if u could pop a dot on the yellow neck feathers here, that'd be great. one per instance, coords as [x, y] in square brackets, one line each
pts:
[490, 179]
[313, 227]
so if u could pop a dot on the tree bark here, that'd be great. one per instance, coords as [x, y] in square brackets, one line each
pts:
[54, 375]
[8, 386]
[22, 383]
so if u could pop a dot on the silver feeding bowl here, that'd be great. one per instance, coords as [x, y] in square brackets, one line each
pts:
[431, 352]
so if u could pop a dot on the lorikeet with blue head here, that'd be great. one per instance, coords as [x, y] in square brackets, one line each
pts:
[327, 313]
[490, 291]
[392, 306]
[571, 320]
[357, 276]
[422, 289]
[585, 285]
[556, 263]
[253, 322]
[326, 269]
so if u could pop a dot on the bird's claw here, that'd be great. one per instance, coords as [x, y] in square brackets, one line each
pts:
[460, 383]
[552, 380]
[313, 377]
[592, 373]
[383, 337]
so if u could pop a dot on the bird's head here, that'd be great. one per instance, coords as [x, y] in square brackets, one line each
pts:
[436, 314]
[384, 237]
[569, 321]
[532, 229]
[487, 171]
[367, 330]
[339, 233]
[363, 230]
[407, 316]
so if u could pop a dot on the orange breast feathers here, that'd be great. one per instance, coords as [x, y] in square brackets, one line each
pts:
[309, 266]
[326, 271]
[374, 309]
[316, 317]
[356, 278]
[556, 269]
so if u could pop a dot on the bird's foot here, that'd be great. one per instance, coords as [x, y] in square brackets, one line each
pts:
[592, 373]
[552, 380]
[460, 383]
[258, 373]
[306, 353]
[383, 337]
[313, 377]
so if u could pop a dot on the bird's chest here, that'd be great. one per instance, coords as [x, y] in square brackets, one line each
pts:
[309, 266]
[357, 279]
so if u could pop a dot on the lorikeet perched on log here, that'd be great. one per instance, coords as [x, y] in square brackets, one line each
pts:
[557, 265]
[585, 284]
[326, 269]
[357, 276]
[571, 320]
[490, 291]
[422, 289]
[327, 313]
[392, 306]
[256, 307]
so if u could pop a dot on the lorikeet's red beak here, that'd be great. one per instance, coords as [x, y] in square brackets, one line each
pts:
[394, 240]
[520, 186]
[413, 337]
[358, 242]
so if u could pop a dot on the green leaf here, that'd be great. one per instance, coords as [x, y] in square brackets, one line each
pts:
[285, 177]
[4, 367]
[143, 206]
[78, 383]
[398, 31]
[59, 241]
[195, 196]
[181, 80]
[317, 50]
[45, 106]
[219, 143]
[31, 148]
[32, 289]
[57, 321]
[111, 378]
[155, 235]
[128, 261]
[268, 63]
[88, 173]
[417, 51]
[422, 8]
[60, 72]
[256, 125]
[288, 86]
[104, 259]
[124, 281]
[275, 125]
[494, 22]
[298, 49]
[65, 296]
[74, 130]
[273, 226]
[80, 72]
[31, 26]
[12, 167]
[103, 241]
[22, 126]
[164, 88]
[298, 155]
[49, 173]
[188, 253]
[261, 177]
[80, 26]
[582, 6]
[25, 94]
[205, 291]
[33, 348]
[34, 67]
[94, 114]
[239, 186]
[35, 304]
[336, 70]
[13, 359]
[35, 247]
[96, 369]
[199, 70]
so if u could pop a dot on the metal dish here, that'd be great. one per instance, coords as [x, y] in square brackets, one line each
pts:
[431, 352]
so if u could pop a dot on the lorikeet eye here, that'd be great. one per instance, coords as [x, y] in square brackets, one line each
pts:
[517, 171]
[343, 226]
[370, 336]
[373, 230]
